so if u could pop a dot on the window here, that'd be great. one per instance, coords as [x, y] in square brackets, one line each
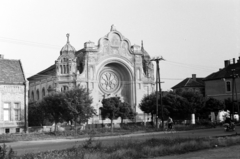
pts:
[43, 92]
[17, 111]
[6, 112]
[64, 68]
[7, 131]
[64, 89]
[49, 89]
[228, 86]
[32, 96]
[17, 130]
[37, 94]
[61, 69]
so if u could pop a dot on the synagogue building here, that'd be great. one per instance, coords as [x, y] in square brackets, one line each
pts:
[112, 67]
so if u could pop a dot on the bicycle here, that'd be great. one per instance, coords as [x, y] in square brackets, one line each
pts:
[169, 129]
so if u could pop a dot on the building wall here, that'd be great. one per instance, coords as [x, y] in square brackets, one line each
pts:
[39, 86]
[12, 95]
[218, 89]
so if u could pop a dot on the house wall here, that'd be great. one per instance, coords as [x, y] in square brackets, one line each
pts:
[12, 94]
[217, 89]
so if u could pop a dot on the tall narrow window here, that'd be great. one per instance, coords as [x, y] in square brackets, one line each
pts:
[43, 92]
[67, 69]
[228, 86]
[49, 89]
[32, 96]
[61, 69]
[64, 69]
[37, 94]
[6, 112]
[17, 111]
[64, 89]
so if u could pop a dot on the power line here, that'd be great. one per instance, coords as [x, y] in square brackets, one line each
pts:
[28, 43]
[200, 67]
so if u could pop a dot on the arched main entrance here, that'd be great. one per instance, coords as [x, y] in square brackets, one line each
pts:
[116, 79]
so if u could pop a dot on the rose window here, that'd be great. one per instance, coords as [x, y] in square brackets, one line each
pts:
[109, 81]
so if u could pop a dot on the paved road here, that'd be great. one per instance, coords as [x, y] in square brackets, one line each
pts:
[23, 147]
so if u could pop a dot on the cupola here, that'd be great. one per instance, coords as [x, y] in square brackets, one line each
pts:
[144, 52]
[67, 48]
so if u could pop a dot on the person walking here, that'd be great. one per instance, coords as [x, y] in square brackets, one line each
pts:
[170, 123]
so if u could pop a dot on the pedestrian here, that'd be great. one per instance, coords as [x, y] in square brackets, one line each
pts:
[170, 123]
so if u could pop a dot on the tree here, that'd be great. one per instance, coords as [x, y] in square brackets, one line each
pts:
[211, 105]
[36, 115]
[78, 102]
[148, 104]
[125, 111]
[176, 105]
[110, 109]
[54, 106]
[195, 100]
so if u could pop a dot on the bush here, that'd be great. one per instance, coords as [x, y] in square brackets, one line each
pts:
[6, 153]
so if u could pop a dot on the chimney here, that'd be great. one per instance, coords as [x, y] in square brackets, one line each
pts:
[1, 56]
[226, 63]
[194, 77]
[233, 60]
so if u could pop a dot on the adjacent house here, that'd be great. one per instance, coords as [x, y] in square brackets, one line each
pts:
[224, 83]
[13, 97]
[190, 84]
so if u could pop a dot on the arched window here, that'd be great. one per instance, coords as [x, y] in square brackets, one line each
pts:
[64, 89]
[64, 69]
[67, 69]
[61, 69]
[49, 88]
[37, 94]
[32, 96]
[43, 92]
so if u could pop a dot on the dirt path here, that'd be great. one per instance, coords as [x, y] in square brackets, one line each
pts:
[232, 152]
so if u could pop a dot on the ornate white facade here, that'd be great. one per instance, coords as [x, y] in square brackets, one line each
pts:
[113, 67]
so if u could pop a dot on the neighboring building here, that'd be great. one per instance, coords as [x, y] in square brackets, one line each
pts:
[190, 84]
[219, 85]
[114, 67]
[13, 97]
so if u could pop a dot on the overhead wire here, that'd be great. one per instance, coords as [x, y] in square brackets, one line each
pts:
[28, 43]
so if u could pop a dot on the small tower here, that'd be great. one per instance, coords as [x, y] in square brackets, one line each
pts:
[66, 61]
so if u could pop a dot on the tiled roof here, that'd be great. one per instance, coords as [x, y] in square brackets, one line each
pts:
[49, 72]
[189, 82]
[11, 71]
[225, 72]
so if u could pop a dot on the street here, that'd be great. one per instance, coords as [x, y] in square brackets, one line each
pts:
[23, 147]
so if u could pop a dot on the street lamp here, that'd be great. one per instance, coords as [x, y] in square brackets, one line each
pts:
[158, 80]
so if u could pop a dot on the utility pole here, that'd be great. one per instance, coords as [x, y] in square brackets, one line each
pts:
[157, 59]
[234, 76]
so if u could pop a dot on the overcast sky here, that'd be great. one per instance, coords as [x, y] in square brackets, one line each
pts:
[194, 36]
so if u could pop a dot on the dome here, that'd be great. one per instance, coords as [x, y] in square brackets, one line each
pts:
[68, 47]
[144, 52]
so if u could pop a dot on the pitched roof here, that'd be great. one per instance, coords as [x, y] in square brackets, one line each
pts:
[190, 82]
[49, 72]
[224, 73]
[11, 71]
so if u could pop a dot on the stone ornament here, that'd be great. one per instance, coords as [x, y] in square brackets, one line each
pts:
[109, 81]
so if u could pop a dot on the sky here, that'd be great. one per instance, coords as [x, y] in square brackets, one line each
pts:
[193, 36]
